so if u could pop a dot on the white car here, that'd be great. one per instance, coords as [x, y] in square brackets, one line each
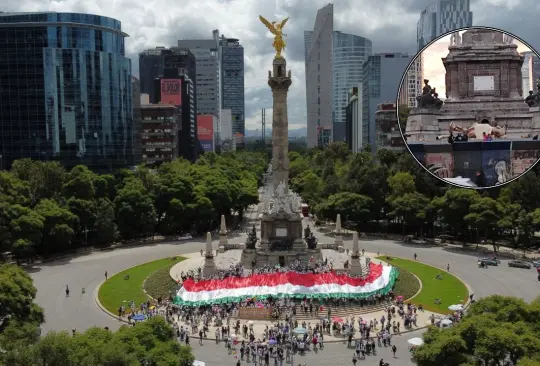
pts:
[185, 237]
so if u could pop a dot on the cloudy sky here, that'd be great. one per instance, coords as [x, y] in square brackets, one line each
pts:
[433, 67]
[390, 24]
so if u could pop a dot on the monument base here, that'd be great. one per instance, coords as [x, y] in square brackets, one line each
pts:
[223, 240]
[287, 258]
[210, 267]
[356, 266]
[422, 125]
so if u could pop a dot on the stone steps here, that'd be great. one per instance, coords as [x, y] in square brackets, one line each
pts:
[339, 311]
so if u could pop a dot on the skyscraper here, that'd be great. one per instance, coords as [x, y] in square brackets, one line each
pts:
[382, 75]
[232, 85]
[151, 65]
[318, 60]
[207, 79]
[439, 17]
[348, 55]
[66, 90]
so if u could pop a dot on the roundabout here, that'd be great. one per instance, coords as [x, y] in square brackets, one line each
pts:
[80, 311]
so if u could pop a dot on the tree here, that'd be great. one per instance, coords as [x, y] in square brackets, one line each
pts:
[149, 343]
[135, 212]
[484, 216]
[453, 207]
[17, 294]
[58, 226]
[495, 330]
[354, 207]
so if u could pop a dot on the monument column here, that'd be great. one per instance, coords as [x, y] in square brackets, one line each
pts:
[279, 81]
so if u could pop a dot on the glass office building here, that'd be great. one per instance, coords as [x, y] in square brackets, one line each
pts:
[348, 55]
[66, 90]
[232, 86]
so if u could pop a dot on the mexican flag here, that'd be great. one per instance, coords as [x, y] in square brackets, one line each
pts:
[287, 284]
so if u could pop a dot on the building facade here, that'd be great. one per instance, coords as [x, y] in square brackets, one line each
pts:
[530, 72]
[348, 55]
[442, 16]
[180, 92]
[232, 85]
[439, 17]
[151, 66]
[207, 80]
[137, 119]
[159, 137]
[354, 119]
[226, 141]
[66, 90]
[382, 77]
[318, 63]
[388, 134]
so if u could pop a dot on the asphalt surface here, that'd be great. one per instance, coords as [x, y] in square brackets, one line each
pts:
[79, 311]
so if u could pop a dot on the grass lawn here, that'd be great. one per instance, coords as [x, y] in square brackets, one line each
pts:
[117, 289]
[450, 290]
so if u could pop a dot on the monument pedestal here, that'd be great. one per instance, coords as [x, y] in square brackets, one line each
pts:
[338, 241]
[356, 266]
[209, 268]
[423, 126]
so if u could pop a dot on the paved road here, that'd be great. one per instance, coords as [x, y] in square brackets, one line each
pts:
[79, 311]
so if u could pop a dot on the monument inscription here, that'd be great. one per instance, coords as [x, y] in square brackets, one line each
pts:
[484, 83]
[281, 232]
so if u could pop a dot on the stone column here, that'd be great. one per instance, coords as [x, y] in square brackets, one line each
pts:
[209, 264]
[356, 267]
[279, 81]
[339, 238]
[223, 240]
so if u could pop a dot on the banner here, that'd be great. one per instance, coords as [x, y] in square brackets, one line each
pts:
[205, 131]
[171, 91]
[496, 166]
[441, 164]
[287, 284]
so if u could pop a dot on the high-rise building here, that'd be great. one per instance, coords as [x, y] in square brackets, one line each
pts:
[226, 141]
[232, 85]
[442, 16]
[382, 75]
[439, 17]
[160, 127]
[354, 119]
[151, 65]
[179, 91]
[318, 62]
[137, 126]
[530, 72]
[348, 55]
[388, 134]
[207, 79]
[65, 90]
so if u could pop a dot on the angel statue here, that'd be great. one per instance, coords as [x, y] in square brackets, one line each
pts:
[277, 30]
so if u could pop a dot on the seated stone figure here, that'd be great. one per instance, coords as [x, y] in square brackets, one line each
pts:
[429, 97]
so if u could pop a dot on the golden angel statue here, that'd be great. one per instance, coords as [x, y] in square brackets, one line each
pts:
[277, 30]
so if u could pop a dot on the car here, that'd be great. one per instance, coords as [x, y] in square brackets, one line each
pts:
[519, 264]
[489, 261]
[536, 264]
[185, 237]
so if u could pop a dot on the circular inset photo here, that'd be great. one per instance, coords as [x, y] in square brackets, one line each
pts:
[472, 113]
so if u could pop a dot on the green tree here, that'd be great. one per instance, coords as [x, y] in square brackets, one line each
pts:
[135, 211]
[484, 216]
[17, 294]
[453, 207]
[57, 228]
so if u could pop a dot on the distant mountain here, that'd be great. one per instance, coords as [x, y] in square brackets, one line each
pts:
[298, 132]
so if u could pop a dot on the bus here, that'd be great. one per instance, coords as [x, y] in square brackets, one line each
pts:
[305, 209]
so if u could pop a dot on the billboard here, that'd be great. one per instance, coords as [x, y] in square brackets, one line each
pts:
[440, 163]
[171, 91]
[496, 166]
[522, 160]
[205, 131]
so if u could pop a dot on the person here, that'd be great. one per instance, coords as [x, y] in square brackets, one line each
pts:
[394, 349]
[448, 267]
[415, 256]
[67, 291]
[106, 275]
